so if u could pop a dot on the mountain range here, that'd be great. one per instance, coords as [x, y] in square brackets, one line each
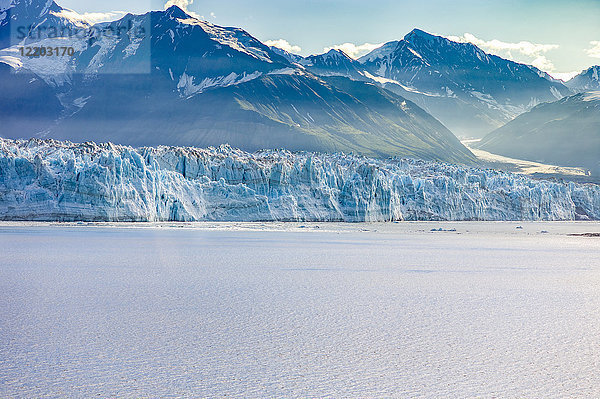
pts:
[189, 82]
[33, 19]
[470, 91]
[176, 80]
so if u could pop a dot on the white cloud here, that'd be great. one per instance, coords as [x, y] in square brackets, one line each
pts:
[564, 76]
[523, 51]
[353, 50]
[594, 51]
[91, 17]
[212, 14]
[284, 45]
[97, 17]
[183, 4]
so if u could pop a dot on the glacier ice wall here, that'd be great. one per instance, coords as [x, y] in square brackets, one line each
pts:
[62, 181]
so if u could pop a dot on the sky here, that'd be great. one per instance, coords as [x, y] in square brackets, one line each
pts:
[559, 37]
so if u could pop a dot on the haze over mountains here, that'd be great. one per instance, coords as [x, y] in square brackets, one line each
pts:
[565, 132]
[182, 81]
[192, 83]
[468, 90]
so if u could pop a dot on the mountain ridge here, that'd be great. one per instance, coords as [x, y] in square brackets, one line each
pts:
[588, 79]
[463, 75]
[565, 132]
[189, 82]
[453, 81]
[26, 19]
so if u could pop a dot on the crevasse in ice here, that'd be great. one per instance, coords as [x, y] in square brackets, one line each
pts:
[62, 181]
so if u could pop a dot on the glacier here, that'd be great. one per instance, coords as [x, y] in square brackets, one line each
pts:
[48, 180]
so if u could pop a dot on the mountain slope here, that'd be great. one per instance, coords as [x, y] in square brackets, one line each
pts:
[32, 18]
[194, 83]
[27, 104]
[565, 132]
[291, 57]
[296, 112]
[334, 63]
[470, 91]
[586, 80]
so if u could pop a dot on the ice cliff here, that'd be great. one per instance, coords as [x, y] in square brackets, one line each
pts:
[61, 181]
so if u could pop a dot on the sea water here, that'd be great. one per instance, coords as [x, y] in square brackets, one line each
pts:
[488, 310]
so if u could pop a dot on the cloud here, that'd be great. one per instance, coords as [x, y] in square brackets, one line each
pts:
[183, 4]
[284, 45]
[96, 17]
[212, 14]
[594, 51]
[91, 17]
[564, 76]
[353, 50]
[523, 51]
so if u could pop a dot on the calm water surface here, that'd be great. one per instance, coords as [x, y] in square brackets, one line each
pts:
[149, 312]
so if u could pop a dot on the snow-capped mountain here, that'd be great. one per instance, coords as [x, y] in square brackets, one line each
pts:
[291, 57]
[189, 82]
[57, 181]
[334, 63]
[199, 54]
[586, 80]
[470, 91]
[565, 132]
[31, 20]
[204, 53]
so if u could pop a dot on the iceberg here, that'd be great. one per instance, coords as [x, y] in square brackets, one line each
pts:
[48, 180]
